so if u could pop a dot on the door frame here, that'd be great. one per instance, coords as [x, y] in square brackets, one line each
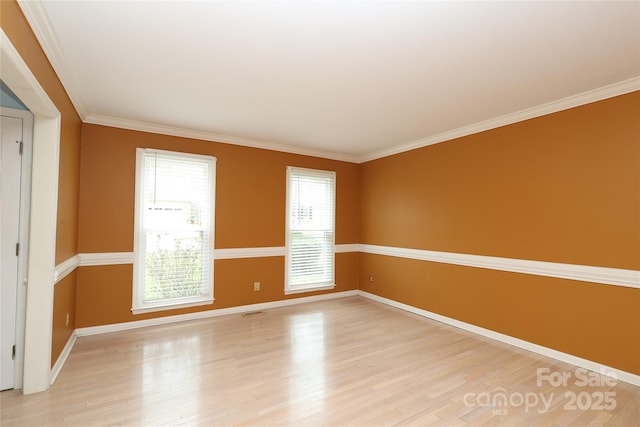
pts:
[36, 370]
[23, 236]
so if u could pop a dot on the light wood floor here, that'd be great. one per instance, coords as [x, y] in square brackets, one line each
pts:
[348, 361]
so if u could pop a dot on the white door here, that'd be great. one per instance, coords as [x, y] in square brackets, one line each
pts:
[11, 130]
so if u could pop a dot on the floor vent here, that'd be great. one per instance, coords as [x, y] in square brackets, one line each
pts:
[252, 313]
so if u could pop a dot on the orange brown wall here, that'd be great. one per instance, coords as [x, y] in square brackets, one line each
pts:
[561, 188]
[249, 213]
[17, 29]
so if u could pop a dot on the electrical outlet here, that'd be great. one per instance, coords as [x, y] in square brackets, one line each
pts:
[370, 279]
[66, 321]
[256, 286]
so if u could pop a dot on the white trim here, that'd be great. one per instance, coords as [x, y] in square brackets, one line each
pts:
[94, 330]
[347, 247]
[105, 258]
[37, 18]
[42, 249]
[24, 233]
[39, 22]
[115, 258]
[164, 307]
[65, 268]
[23, 237]
[516, 342]
[609, 91]
[545, 351]
[17, 75]
[62, 359]
[236, 253]
[328, 225]
[43, 214]
[598, 94]
[206, 226]
[214, 137]
[312, 288]
[585, 273]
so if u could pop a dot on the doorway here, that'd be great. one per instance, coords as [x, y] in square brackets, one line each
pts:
[38, 321]
[16, 129]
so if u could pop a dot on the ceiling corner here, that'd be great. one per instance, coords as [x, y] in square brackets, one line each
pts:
[33, 11]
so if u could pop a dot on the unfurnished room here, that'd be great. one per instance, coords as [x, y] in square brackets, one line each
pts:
[319, 213]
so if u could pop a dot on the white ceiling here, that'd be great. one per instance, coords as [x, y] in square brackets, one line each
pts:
[348, 80]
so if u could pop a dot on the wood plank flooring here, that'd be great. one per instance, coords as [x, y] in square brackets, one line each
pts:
[348, 361]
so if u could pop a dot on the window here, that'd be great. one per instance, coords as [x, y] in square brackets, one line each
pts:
[173, 242]
[310, 237]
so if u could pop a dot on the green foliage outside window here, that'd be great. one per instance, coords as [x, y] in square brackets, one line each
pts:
[173, 273]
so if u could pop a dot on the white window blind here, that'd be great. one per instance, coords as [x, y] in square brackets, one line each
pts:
[310, 229]
[174, 230]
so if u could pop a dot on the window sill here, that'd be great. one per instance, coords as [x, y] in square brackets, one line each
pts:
[153, 308]
[309, 289]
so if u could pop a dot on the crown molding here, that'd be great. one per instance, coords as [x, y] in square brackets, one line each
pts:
[37, 18]
[609, 91]
[616, 89]
[214, 137]
[39, 22]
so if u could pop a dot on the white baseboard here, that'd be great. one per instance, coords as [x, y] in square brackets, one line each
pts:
[516, 342]
[103, 329]
[62, 359]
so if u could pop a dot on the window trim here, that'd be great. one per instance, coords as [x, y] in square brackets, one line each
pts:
[138, 305]
[288, 289]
